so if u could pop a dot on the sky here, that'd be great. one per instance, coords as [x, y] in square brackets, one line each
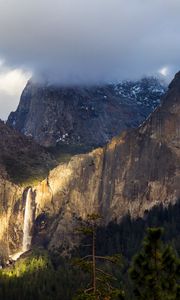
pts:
[85, 42]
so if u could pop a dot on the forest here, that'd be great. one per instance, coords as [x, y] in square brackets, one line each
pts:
[136, 259]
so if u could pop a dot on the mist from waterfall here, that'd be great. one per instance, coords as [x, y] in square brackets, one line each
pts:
[27, 222]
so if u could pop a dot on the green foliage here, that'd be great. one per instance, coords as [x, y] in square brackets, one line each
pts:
[3, 253]
[64, 152]
[107, 285]
[40, 277]
[155, 269]
[28, 167]
[126, 237]
[31, 168]
[100, 295]
[35, 277]
[101, 284]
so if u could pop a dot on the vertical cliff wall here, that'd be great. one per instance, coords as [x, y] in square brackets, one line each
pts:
[11, 216]
[134, 172]
[131, 174]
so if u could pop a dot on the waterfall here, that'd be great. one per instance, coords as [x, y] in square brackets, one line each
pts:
[28, 216]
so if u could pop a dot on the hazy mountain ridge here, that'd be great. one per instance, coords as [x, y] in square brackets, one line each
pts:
[84, 115]
[21, 159]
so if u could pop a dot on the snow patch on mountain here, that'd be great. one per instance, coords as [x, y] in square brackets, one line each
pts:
[146, 92]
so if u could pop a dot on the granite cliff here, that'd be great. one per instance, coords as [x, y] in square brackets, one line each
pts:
[132, 173]
[88, 116]
[22, 162]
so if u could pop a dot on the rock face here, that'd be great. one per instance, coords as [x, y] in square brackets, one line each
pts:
[131, 174]
[20, 157]
[134, 172]
[21, 161]
[11, 216]
[84, 115]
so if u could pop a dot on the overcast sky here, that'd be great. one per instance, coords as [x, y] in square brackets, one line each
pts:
[85, 41]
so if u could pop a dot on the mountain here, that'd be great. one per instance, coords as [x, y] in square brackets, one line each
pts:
[88, 116]
[22, 162]
[133, 173]
[21, 159]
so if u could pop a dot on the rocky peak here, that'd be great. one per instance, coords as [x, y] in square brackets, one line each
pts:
[175, 84]
[84, 115]
[142, 91]
[135, 171]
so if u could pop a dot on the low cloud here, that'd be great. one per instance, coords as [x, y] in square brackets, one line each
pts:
[89, 41]
[12, 81]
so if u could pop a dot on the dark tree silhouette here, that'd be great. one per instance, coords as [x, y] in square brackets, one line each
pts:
[155, 269]
[101, 285]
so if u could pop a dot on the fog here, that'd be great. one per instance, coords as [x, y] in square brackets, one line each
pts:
[76, 41]
[88, 41]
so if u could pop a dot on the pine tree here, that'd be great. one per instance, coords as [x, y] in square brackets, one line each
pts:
[155, 269]
[101, 285]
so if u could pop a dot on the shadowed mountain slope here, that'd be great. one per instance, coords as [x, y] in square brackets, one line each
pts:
[21, 158]
[88, 116]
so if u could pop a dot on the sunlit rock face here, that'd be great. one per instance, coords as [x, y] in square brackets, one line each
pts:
[21, 161]
[11, 216]
[134, 172]
[88, 116]
[17, 214]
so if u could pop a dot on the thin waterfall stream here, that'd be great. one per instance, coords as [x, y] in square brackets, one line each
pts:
[28, 216]
[27, 226]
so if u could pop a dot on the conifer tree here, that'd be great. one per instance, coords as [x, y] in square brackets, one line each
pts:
[101, 285]
[155, 269]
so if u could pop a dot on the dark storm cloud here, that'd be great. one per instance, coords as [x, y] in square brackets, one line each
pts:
[74, 41]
